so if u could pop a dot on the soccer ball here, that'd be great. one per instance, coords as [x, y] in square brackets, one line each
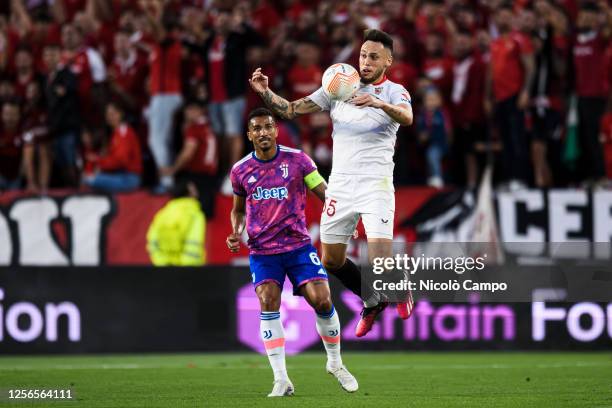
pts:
[340, 81]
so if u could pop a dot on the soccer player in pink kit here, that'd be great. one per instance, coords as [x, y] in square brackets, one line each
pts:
[270, 187]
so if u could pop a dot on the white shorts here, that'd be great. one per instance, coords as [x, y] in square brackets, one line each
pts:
[349, 197]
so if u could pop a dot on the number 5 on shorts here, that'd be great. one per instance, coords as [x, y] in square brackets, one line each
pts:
[330, 208]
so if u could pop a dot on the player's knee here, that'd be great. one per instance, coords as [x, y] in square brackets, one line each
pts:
[332, 263]
[322, 304]
[269, 302]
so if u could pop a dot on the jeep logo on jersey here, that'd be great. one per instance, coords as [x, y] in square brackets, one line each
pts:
[280, 193]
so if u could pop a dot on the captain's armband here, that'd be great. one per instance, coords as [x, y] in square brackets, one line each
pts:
[313, 179]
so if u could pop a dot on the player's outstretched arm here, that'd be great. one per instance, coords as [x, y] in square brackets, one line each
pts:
[238, 218]
[280, 106]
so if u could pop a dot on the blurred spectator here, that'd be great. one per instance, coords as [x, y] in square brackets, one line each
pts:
[7, 88]
[34, 28]
[547, 92]
[344, 45]
[430, 18]
[398, 20]
[36, 148]
[197, 161]
[437, 66]
[97, 32]
[165, 87]
[592, 85]
[86, 63]
[176, 234]
[64, 123]
[259, 56]
[126, 74]
[225, 54]
[304, 78]
[305, 74]
[317, 141]
[264, 17]
[91, 149]
[511, 73]
[25, 73]
[470, 125]
[434, 130]
[401, 71]
[10, 146]
[120, 169]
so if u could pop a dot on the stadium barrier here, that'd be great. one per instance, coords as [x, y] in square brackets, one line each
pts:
[65, 228]
[145, 309]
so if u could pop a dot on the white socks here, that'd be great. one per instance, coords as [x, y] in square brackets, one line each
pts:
[328, 327]
[273, 337]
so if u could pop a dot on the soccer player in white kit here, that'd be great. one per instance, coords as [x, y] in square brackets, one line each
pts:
[361, 181]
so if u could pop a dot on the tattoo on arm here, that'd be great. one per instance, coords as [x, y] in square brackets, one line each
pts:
[286, 109]
[399, 114]
[305, 105]
[279, 105]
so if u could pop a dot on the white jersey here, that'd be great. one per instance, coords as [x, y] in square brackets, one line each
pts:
[364, 138]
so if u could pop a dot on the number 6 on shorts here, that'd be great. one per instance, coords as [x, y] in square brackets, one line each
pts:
[315, 259]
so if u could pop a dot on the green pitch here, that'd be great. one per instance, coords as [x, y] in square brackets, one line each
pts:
[395, 380]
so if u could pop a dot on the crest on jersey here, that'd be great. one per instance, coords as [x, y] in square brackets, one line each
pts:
[285, 169]
[378, 90]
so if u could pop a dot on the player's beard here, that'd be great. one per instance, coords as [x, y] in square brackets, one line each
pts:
[377, 74]
[265, 146]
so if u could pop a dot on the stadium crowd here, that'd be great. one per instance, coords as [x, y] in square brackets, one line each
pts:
[117, 95]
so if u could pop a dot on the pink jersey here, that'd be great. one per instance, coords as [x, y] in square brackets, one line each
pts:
[275, 199]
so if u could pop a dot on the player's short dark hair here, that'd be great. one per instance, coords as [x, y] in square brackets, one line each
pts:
[378, 36]
[258, 112]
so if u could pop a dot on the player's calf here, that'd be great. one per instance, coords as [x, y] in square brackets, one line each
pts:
[328, 327]
[273, 337]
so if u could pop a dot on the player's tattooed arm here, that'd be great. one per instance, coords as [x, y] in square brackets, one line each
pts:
[402, 114]
[238, 219]
[280, 106]
[286, 109]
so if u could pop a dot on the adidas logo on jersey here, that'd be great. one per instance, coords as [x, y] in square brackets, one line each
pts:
[251, 180]
[280, 193]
